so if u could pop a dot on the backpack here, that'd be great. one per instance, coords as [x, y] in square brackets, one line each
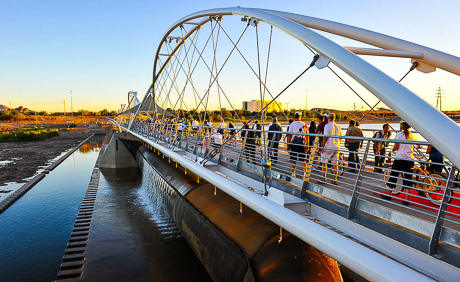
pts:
[298, 140]
[381, 135]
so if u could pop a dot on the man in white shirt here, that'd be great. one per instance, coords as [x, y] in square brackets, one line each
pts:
[195, 125]
[297, 143]
[331, 146]
[180, 127]
[222, 124]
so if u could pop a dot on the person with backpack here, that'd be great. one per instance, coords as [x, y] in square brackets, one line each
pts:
[404, 161]
[274, 139]
[258, 131]
[380, 147]
[297, 143]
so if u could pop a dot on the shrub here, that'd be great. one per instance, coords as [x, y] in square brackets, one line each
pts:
[31, 134]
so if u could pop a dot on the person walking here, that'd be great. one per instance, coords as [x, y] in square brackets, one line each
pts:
[436, 159]
[330, 147]
[250, 143]
[297, 143]
[216, 139]
[404, 161]
[322, 121]
[274, 140]
[222, 124]
[258, 131]
[380, 147]
[353, 145]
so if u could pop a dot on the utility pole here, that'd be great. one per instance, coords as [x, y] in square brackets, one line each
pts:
[439, 95]
[64, 106]
[71, 104]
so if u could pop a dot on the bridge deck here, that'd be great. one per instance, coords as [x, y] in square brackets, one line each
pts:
[358, 192]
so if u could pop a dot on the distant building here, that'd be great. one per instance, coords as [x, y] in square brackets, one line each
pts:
[95, 127]
[257, 105]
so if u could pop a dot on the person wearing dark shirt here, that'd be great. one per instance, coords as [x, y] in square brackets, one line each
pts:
[311, 129]
[380, 147]
[250, 144]
[436, 159]
[320, 128]
[257, 131]
[274, 139]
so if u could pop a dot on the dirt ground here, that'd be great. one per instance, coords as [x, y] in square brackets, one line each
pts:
[19, 160]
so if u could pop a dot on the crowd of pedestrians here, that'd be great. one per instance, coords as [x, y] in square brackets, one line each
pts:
[325, 143]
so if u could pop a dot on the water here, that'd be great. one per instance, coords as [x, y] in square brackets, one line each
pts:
[35, 230]
[143, 236]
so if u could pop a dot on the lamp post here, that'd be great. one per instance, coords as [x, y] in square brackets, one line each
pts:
[71, 104]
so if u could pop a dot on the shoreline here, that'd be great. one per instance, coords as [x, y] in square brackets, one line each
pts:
[22, 160]
[16, 194]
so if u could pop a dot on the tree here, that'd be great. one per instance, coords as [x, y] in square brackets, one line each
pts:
[104, 112]
[319, 113]
[240, 113]
[226, 114]
[216, 118]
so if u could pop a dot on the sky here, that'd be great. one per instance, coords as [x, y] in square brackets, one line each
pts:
[101, 50]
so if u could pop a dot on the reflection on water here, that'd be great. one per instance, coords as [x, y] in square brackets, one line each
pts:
[35, 230]
[93, 145]
[148, 243]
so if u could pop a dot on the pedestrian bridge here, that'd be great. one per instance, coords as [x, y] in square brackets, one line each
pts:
[410, 233]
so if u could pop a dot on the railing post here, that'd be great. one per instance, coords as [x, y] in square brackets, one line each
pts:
[434, 241]
[316, 146]
[354, 196]
[195, 149]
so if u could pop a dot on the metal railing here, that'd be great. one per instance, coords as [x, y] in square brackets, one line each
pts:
[420, 192]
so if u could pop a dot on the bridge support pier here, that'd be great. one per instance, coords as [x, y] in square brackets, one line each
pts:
[117, 154]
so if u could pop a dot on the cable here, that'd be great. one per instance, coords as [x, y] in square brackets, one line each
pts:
[215, 151]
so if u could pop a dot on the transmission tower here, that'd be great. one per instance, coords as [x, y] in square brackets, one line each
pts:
[439, 94]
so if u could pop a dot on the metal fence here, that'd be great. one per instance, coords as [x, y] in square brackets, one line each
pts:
[418, 191]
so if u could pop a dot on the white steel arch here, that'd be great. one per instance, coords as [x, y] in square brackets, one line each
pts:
[436, 127]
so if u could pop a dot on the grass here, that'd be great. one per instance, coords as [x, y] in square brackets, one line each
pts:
[30, 134]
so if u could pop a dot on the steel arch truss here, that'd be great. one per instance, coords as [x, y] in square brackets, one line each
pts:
[437, 128]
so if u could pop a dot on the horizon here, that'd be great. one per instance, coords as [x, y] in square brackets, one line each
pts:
[100, 54]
